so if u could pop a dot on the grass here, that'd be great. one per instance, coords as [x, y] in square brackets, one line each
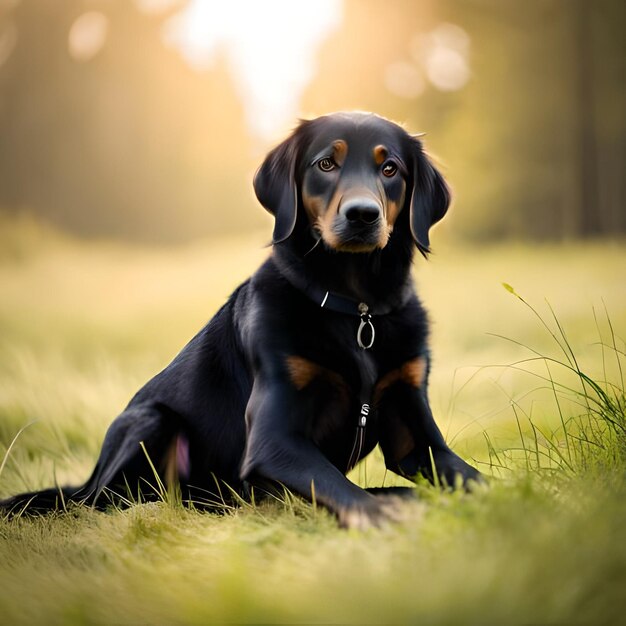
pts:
[591, 430]
[83, 325]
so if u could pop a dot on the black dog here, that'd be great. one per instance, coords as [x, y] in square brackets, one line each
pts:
[318, 357]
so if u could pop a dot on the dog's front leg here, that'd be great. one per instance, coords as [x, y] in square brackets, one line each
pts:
[278, 451]
[413, 444]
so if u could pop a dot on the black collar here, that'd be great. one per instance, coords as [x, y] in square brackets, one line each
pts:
[293, 272]
[341, 304]
[329, 300]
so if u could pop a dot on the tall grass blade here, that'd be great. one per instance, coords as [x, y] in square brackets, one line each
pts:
[5, 458]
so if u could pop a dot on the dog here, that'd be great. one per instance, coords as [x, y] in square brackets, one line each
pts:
[318, 357]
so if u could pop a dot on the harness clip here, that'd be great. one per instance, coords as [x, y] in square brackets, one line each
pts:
[365, 411]
[366, 321]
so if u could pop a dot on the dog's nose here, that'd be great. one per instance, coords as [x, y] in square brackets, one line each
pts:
[361, 210]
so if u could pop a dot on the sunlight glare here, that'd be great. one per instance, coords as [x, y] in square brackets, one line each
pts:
[154, 7]
[270, 47]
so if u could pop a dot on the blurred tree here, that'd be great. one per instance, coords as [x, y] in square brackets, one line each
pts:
[534, 143]
[127, 140]
[104, 129]
[586, 220]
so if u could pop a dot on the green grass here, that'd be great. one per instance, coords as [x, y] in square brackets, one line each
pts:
[542, 411]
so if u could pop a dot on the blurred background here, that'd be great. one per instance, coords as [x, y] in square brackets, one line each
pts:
[144, 120]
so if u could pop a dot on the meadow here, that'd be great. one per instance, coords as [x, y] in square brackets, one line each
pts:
[531, 391]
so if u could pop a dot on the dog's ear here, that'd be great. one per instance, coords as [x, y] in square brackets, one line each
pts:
[430, 197]
[276, 188]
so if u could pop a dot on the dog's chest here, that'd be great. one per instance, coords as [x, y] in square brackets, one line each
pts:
[332, 395]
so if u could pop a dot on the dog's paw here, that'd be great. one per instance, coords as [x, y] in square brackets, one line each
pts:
[454, 472]
[376, 512]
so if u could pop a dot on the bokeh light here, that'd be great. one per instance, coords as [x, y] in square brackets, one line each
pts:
[444, 53]
[87, 35]
[447, 69]
[8, 39]
[404, 79]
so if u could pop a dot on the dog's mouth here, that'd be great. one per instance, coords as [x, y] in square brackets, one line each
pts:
[364, 242]
[347, 237]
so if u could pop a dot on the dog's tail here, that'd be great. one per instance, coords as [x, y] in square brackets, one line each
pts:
[39, 502]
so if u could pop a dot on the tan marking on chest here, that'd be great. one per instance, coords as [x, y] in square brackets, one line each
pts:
[302, 371]
[412, 373]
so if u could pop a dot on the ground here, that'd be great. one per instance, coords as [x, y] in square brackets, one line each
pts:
[83, 325]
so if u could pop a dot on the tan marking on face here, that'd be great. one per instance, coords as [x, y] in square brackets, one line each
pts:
[393, 210]
[384, 235]
[322, 218]
[380, 154]
[412, 373]
[313, 205]
[340, 151]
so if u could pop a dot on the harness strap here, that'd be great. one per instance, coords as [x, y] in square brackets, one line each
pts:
[359, 439]
[367, 376]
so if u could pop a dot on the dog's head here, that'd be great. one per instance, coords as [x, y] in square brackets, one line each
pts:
[352, 174]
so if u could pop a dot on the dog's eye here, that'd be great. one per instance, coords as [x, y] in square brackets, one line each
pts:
[326, 164]
[389, 169]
